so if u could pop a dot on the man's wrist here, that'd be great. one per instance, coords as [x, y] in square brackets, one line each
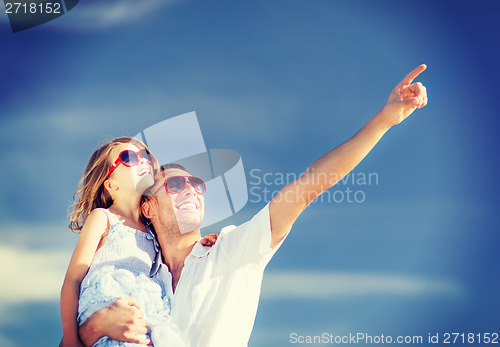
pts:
[382, 121]
[89, 331]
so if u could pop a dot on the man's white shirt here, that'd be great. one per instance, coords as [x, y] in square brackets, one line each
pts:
[217, 295]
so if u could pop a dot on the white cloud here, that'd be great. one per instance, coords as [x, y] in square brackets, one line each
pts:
[323, 285]
[39, 236]
[37, 275]
[105, 14]
[31, 275]
[4, 342]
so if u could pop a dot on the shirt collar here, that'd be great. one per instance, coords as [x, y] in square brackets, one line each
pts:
[152, 235]
[198, 251]
[157, 260]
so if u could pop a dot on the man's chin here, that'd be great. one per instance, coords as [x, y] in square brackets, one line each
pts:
[189, 226]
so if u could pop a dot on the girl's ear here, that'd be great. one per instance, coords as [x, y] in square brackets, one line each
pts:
[110, 186]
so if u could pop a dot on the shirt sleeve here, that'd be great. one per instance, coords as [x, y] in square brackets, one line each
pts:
[249, 242]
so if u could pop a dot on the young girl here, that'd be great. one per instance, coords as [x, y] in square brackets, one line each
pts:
[115, 251]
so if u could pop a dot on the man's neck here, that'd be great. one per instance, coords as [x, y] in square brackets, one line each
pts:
[175, 248]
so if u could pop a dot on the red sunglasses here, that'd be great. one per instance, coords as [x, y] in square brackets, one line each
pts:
[177, 184]
[130, 158]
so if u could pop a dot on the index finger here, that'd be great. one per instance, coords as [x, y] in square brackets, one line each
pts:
[412, 75]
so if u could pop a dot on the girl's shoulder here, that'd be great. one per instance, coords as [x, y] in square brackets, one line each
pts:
[96, 224]
[105, 215]
[98, 214]
[115, 224]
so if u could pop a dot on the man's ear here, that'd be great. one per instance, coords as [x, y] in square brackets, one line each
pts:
[148, 209]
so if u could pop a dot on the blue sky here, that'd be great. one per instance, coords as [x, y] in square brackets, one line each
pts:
[280, 82]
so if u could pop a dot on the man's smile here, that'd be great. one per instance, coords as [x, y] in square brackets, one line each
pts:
[188, 205]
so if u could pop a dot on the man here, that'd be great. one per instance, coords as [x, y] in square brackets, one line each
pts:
[214, 292]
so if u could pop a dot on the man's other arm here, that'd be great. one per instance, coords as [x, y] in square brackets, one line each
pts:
[325, 172]
[121, 321]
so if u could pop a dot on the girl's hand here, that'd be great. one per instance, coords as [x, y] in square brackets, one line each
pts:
[209, 240]
[405, 98]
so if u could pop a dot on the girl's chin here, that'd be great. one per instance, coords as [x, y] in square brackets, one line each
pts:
[144, 183]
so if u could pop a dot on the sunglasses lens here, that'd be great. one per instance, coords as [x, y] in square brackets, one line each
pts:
[198, 184]
[146, 155]
[129, 158]
[176, 184]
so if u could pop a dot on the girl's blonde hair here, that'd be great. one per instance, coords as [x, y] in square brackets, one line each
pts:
[91, 193]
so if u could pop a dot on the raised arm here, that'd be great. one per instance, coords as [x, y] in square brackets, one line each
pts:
[325, 172]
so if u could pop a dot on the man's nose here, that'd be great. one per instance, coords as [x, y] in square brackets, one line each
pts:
[189, 189]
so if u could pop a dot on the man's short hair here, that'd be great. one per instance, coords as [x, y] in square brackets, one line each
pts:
[173, 166]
